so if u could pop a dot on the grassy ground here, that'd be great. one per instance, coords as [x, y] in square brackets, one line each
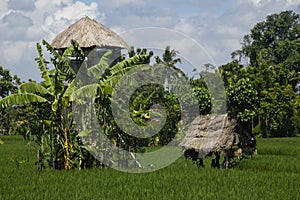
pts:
[273, 174]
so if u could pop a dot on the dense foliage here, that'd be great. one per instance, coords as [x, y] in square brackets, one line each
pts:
[8, 85]
[263, 95]
[49, 120]
[261, 88]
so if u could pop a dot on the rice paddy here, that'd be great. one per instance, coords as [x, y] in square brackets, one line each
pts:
[273, 174]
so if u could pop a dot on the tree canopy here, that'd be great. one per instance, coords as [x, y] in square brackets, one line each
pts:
[8, 85]
[272, 75]
[262, 95]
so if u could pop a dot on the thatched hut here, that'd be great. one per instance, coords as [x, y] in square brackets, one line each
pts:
[94, 38]
[214, 134]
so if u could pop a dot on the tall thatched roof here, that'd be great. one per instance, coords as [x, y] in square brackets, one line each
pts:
[210, 133]
[88, 33]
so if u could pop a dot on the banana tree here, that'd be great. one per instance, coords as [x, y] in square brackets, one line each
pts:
[55, 95]
[96, 89]
[58, 140]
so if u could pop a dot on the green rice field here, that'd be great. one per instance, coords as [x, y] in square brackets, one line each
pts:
[273, 174]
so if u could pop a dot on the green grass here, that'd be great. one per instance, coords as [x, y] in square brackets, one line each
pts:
[273, 174]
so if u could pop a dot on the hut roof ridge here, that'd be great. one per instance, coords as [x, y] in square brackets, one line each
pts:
[88, 33]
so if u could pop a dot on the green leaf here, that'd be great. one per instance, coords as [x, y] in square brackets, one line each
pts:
[43, 66]
[51, 49]
[97, 70]
[21, 99]
[73, 50]
[54, 105]
[69, 91]
[33, 87]
[123, 66]
[106, 89]
[83, 133]
[89, 91]
[91, 149]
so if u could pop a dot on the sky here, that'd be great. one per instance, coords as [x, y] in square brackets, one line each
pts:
[217, 25]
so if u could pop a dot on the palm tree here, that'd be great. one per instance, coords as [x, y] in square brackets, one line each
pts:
[169, 59]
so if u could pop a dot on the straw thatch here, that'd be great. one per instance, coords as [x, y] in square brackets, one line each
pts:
[88, 33]
[210, 133]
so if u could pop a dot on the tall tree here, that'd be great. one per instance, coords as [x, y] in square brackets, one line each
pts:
[8, 85]
[273, 51]
[54, 95]
[276, 112]
[277, 42]
[170, 59]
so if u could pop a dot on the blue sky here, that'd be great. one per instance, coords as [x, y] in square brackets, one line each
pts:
[218, 25]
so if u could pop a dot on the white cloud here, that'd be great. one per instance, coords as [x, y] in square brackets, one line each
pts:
[60, 14]
[228, 31]
[16, 19]
[22, 5]
[218, 26]
[21, 29]
[256, 2]
[113, 4]
[293, 2]
[3, 8]
[76, 10]
[59, 2]
[18, 56]
[185, 27]
[14, 27]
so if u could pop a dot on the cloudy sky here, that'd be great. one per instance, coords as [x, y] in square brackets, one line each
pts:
[217, 25]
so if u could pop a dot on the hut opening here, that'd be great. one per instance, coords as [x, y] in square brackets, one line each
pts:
[94, 39]
[214, 135]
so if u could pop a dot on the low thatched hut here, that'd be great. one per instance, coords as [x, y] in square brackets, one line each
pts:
[214, 134]
[210, 133]
[94, 39]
